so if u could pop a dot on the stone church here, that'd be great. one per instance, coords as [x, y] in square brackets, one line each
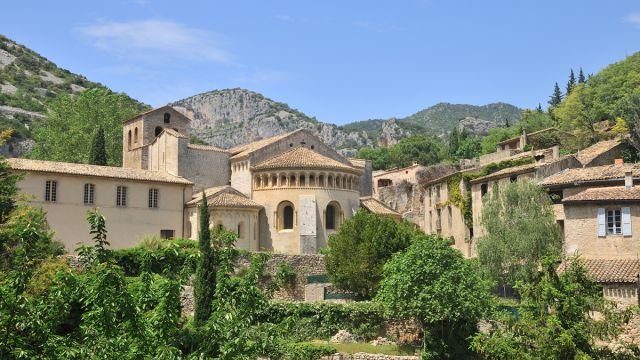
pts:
[285, 194]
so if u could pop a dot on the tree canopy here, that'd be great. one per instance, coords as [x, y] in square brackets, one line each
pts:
[67, 132]
[356, 254]
[520, 229]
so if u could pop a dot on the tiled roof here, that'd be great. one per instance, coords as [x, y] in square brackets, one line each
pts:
[378, 207]
[613, 193]
[591, 174]
[587, 155]
[174, 133]
[205, 148]
[360, 163]
[303, 158]
[167, 107]
[94, 170]
[611, 270]
[394, 170]
[224, 196]
[516, 170]
[528, 135]
[246, 149]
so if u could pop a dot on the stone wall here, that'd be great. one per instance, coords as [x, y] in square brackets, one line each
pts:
[366, 356]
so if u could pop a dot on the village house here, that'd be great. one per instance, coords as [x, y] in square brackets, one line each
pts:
[382, 178]
[285, 194]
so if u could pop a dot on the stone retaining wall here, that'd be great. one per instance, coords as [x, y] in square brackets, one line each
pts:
[366, 356]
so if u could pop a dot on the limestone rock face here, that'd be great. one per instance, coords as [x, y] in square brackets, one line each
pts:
[227, 118]
[476, 126]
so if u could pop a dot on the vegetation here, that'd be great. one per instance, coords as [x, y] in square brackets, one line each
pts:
[520, 230]
[8, 182]
[98, 154]
[67, 133]
[434, 284]
[415, 149]
[206, 271]
[554, 319]
[357, 253]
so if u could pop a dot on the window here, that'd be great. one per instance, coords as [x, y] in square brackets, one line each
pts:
[450, 218]
[135, 135]
[158, 130]
[167, 234]
[51, 191]
[167, 118]
[240, 230]
[285, 216]
[153, 198]
[514, 178]
[614, 222]
[89, 190]
[129, 139]
[483, 189]
[121, 196]
[330, 217]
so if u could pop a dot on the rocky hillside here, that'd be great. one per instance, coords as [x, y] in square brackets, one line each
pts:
[28, 84]
[230, 117]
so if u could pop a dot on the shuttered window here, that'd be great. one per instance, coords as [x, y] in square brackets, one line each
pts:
[626, 221]
[602, 222]
[614, 222]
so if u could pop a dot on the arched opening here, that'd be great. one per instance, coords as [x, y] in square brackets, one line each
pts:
[158, 130]
[283, 180]
[303, 180]
[274, 180]
[135, 136]
[329, 181]
[285, 214]
[167, 118]
[257, 182]
[241, 230]
[321, 181]
[332, 216]
[292, 180]
[312, 180]
[129, 139]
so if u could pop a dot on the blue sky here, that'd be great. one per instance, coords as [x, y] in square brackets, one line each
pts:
[340, 61]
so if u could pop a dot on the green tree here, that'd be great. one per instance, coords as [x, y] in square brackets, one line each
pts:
[380, 157]
[67, 133]
[556, 97]
[539, 108]
[432, 282]
[581, 79]
[453, 141]
[419, 149]
[568, 331]
[98, 153]
[575, 117]
[520, 229]
[469, 148]
[490, 142]
[8, 182]
[571, 82]
[205, 283]
[356, 254]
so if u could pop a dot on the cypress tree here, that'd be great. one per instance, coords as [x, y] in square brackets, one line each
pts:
[581, 78]
[571, 83]
[454, 141]
[539, 108]
[205, 283]
[98, 153]
[556, 98]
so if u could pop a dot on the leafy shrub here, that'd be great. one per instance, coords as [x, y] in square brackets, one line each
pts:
[307, 351]
[177, 256]
[304, 321]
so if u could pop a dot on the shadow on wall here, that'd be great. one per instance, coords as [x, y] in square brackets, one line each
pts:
[265, 242]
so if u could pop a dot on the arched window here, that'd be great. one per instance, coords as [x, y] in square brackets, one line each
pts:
[302, 180]
[285, 216]
[329, 181]
[292, 180]
[257, 182]
[332, 216]
[129, 139]
[158, 130]
[312, 180]
[240, 230]
[321, 181]
[135, 136]
[274, 180]
[283, 180]
[167, 118]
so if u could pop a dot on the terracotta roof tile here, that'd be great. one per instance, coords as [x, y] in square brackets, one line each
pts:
[378, 207]
[585, 156]
[611, 270]
[613, 193]
[591, 174]
[174, 133]
[94, 170]
[168, 107]
[206, 148]
[360, 163]
[515, 170]
[246, 149]
[224, 196]
[301, 157]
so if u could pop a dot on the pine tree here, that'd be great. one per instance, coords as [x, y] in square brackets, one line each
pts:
[556, 98]
[205, 282]
[581, 78]
[98, 153]
[539, 108]
[571, 83]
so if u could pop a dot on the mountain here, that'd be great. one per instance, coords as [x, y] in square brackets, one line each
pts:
[231, 117]
[28, 84]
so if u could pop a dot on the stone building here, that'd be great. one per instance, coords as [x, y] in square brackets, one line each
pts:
[396, 176]
[285, 194]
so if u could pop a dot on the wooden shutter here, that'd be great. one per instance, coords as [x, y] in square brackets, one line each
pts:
[626, 221]
[602, 222]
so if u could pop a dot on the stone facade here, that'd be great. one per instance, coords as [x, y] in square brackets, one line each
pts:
[396, 176]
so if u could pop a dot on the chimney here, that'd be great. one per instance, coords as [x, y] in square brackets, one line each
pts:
[628, 179]
[618, 162]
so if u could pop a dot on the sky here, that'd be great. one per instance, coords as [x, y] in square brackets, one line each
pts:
[340, 61]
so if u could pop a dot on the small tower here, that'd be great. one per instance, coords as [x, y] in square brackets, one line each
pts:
[141, 130]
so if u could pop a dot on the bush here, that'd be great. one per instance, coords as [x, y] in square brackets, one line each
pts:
[169, 259]
[321, 320]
